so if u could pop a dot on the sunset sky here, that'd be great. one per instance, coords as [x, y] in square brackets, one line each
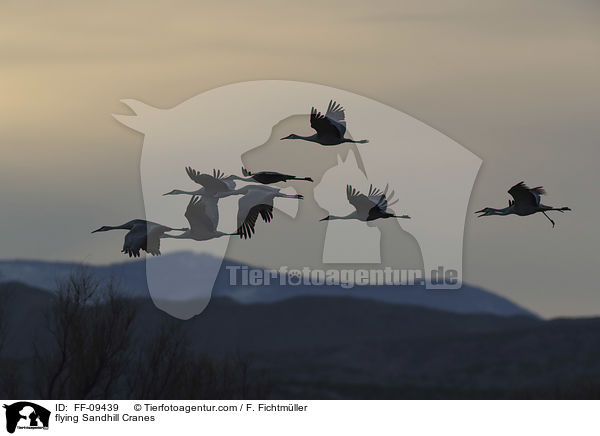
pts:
[516, 82]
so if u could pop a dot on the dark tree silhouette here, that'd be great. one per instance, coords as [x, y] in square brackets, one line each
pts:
[90, 324]
[3, 323]
[10, 379]
[159, 362]
[164, 367]
[96, 347]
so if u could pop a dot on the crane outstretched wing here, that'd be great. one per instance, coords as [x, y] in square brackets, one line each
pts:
[526, 195]
[335, 111]
[144, 235]
[203, 214]
[135, 240]
[212, 183]
[375, 199]
[248, 212]
[333, 123]
[247, 221]
[381, 199]
[154, 232]
[360, 201]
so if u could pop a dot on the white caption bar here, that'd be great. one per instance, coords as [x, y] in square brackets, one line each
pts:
[299, 417]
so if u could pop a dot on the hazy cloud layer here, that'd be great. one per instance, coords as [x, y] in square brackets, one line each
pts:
[515, 82]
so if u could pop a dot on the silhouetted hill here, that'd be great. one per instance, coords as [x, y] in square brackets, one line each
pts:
[23, 310]
[132, 276]
[340, 347]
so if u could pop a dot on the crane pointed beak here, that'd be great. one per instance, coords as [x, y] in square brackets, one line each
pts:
[95, 231]
[324, 219]
[483, 212]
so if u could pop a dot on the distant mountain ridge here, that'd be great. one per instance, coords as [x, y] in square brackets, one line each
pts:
[340, 347]
[132, 278]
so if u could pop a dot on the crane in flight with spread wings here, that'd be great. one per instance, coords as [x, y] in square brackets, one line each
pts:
[368, 207]
[255, 200]
[142, 235]
[526, 201]
[212, 184]
[330, 127]
[269, 177]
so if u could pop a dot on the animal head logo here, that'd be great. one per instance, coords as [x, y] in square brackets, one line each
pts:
[26, 415]
[243, 125]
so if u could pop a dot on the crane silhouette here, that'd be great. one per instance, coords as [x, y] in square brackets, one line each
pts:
[211, 184]
[256, 200]
[526, 201]
[368, 207]
[142, 235]
[330, 127]
[268, 177]
[203, 215]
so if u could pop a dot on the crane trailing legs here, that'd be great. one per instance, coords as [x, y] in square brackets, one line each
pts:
[526, 201]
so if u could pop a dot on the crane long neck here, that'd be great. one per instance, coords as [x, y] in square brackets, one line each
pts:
[504, 211]
[313, 138]
[182, 192]
[350, 216]
[125, 226]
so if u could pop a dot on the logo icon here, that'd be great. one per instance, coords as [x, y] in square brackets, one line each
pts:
[26, 415]
[249, 125]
